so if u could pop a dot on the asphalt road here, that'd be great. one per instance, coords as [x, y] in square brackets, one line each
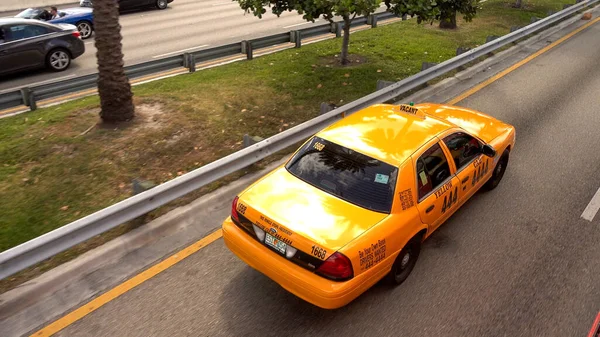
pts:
[517, 261]
[184, 25]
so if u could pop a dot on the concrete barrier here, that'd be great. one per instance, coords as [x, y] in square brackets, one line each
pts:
[13, 5]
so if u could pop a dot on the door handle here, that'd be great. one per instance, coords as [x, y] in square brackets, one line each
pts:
[429, 209]
[464, 181]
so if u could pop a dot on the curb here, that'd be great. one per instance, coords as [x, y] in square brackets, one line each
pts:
[18, 301]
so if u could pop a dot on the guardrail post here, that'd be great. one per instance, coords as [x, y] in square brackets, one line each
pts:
[372, 20]
[140, 185]
[534, 19]
[382, 84]
[461, 50]
[29, 98]
[296, 37]
[565, 6]
[515, 28]
[189, 61]
[249, 140]
[326, 107]
[336, 28]
[247, 49]
[404, 17]
[427, 65]
[491, 38]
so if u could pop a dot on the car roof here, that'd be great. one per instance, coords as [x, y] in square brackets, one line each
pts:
[5, 21]
[385, 133]
[11, 21]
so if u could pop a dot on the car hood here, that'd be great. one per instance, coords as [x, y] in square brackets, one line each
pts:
[304, 214]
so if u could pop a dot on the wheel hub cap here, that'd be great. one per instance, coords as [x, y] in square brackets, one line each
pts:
[59, 60]
[405, 260]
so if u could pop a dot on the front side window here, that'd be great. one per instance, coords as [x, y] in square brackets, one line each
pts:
[346, 174]
[432, 170]
[464, 148]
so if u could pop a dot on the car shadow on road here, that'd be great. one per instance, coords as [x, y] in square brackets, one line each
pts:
[253, 304]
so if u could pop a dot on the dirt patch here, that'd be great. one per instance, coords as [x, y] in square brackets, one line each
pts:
[334, 61]
[149, 116]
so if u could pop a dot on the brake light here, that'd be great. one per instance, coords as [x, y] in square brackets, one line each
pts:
[234, 213]
[337, 267]
[76, 34]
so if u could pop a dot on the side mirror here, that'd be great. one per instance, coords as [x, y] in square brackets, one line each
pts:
[488, 150]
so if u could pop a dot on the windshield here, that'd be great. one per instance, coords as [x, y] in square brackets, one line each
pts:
[347, 174]
[29, 13]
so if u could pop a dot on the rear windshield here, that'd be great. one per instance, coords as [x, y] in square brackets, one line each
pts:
[347, 174]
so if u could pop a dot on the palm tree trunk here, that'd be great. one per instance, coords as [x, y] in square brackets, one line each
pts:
[113, 86]
[345, 40]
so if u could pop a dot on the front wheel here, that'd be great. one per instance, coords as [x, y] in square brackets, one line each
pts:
[161, 4]
[498, 172]
[58, 60]
[85, 29]
[406, 261]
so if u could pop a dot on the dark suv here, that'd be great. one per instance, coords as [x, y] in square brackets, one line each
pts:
[27, 44]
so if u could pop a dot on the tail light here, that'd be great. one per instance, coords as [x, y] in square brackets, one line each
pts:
[337, 267]
[234, 213]
[76, 34]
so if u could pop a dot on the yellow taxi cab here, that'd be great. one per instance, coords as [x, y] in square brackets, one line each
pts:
[355, 202]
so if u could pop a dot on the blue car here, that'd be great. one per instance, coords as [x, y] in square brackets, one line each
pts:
[82, 18]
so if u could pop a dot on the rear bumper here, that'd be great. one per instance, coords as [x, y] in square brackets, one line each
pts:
[295, 279]
[77, 48]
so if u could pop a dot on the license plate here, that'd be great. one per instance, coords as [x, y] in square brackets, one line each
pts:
[275, 243]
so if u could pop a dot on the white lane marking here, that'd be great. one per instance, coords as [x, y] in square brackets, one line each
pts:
[592, 208]
[300, 24]
[89, 42]
[179, 51]
[223, 4]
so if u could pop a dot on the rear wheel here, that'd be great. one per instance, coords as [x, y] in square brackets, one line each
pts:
[498, 172]
[85, 29]
[161, 4]
[406, 261]
[58, 59]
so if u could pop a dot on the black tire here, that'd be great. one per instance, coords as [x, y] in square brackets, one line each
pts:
[498, 173]
[58, 59]
[162, 4]
[405, 262]
[85, 29]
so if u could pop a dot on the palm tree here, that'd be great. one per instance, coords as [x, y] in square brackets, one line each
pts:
[113, 86]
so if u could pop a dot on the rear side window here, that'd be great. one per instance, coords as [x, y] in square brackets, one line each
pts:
[20, 32]
[346, 174]
[432, 170]
[464, 148]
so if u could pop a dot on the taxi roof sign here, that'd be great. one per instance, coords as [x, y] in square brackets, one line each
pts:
[411, 110]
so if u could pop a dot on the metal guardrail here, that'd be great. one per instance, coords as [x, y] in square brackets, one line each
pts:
[29, 95]
[56, 241]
